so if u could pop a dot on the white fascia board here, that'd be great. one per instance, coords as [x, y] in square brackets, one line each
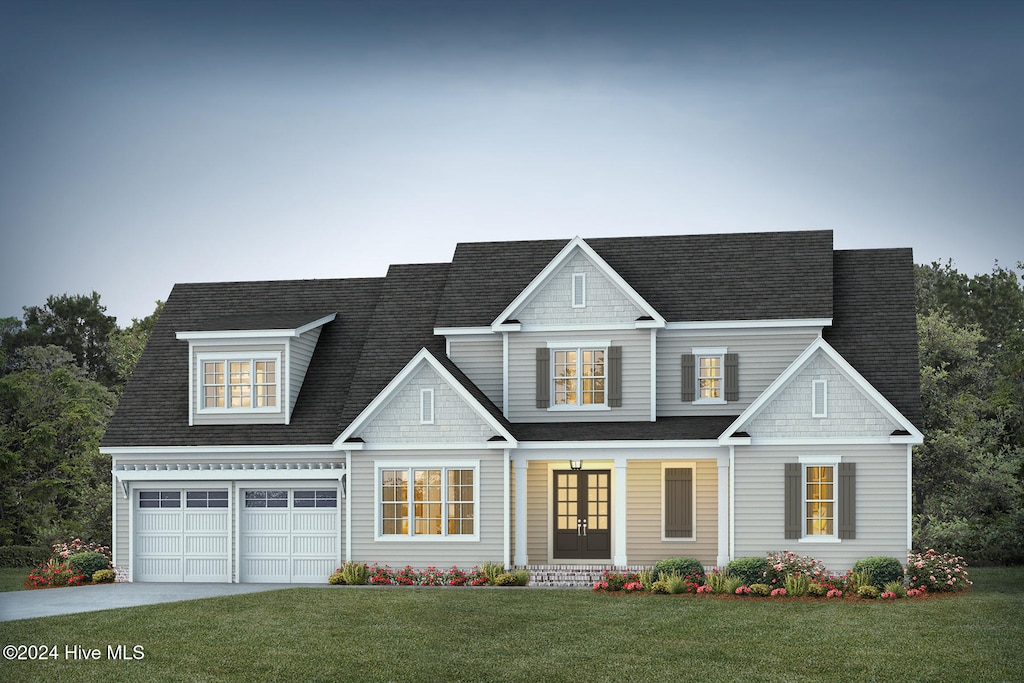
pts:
[255, 334]
[836, 441]
[631, 445]
[751, 324]
[556, 263]
[164, 451]
[579, 327]
[468, 446]
[226, 475]
[396, 384]
[843, 366]
[461, 331]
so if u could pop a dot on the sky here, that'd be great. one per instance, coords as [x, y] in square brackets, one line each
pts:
[148, 143]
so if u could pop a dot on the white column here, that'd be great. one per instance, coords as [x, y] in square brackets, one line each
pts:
[506, 506]
[348, 505]
[619, 558]
[723, 510]
[520, 510]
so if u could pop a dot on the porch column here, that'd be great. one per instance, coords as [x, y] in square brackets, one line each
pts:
[619, 558]
[519, 511]
[723, 510]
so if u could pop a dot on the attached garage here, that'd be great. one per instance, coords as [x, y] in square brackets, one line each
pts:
[182, 535]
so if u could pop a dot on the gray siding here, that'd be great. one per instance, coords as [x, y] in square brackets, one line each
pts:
[552, 304]
[239, 417]
[121, 506]
[399, 421]
[763, 356]
[636, 377]
[850, 413]
[420, 552]
[881, 503]
[302, 348]
[480, 357]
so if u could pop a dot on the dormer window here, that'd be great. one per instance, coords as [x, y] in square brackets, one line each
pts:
[236, 383]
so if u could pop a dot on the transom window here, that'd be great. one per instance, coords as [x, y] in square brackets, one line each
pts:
[428, 502]
[819, 500]
[159, 499]
[579, 377]
[327, 498]
[206, 499]
[266, 499]
[244, 383]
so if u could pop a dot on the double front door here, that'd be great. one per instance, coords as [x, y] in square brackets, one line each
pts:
[582, 513]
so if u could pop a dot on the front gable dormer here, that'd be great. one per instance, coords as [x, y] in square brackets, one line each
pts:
[249, 371]
[577, 287]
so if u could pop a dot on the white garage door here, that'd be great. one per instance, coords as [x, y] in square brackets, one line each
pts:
[181, 535]
[288, 535]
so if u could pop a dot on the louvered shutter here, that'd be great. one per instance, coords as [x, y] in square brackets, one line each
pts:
[793, 499]
[732, 377]
[543, 377]
[688, 378]
[615, 376]
[847, 500]
[679, 502]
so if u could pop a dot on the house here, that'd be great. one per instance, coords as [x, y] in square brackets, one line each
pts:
[599, 402]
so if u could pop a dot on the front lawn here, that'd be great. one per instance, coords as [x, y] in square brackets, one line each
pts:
[13, 579]
[475, 634]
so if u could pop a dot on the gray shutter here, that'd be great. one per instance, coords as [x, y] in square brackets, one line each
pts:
[793, 502]
[847, 500]
[688, 377]
[543, 377]
[732, 377]
[679, 502]
[614, 376]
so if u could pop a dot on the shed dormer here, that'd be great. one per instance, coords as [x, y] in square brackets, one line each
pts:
[249, 369]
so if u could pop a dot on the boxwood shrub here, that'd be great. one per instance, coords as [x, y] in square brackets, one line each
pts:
[882, 570]
[88, 563]
[18, 556]
[749, 569]
[683, 566]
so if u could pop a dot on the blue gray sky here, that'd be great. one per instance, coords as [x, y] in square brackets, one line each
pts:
[148, 143]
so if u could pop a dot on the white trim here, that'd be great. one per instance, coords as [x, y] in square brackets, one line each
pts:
[506, 509]
[395, 385]
[255, 334]
[910, 497]
[619, 557]
[348, 510]
[579, 347]
[679, 464]
[819, 461]
[718, 352]
[812, 441]
[758, 324]
[194, 476]
[164, 451]
[723, 470]
[654, 375]
[630, 444]
[504, 374]
[253, 357]
[459, 331]
[521, 463]
[576, 345]
[432, 446]
[556, 263]
[411, 536]
[780, 383]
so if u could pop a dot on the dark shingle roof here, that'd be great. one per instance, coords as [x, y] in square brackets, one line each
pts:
[744, 276]
[262, 320]
[874, 326]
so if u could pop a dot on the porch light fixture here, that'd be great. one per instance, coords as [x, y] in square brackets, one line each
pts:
[575, 464]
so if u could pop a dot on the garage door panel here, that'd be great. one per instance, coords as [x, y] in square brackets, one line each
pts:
[215, 522]
[201, 569]
[158, 545]
[314, 545]
[258, 521]
[311, 571]
[158, 520]
[180, 541]
[297, 544]
[159, 569]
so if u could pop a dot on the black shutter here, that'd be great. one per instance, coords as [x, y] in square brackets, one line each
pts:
[543, 377]
[615, 377]
[688, 378]
[847, 521]
[679, 502]
[732, 377]
[793, 499]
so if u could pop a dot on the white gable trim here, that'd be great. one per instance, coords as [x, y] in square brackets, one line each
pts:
[556, 263]
[424, 357]
[780, 383]
[255, 334]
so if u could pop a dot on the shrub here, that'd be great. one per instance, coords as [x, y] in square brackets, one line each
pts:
[882, 569]
[104, 576]
[54, 573]
[760, 589]
[522, 577]
[646, 578]
[686, 567]
[614, 580]
[88, 563]
[748, 570]
[816, 590]
[857, 580]
[506, 579]
[336, 579]
[717, 582]
[797, 585]
[675, 584]
[62, 551]
[933, 572]
[381, 576]
[492, 570]
[742, 590]
[354, 573]
[17, 556]
[660, 587]
[896, 588]
[868, 592]
[787, 563]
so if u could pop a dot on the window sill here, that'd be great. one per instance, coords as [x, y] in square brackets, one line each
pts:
[822, 539]
[239, 411]
[577, 409]
[678, 539]
[426, 538]
[710, 402]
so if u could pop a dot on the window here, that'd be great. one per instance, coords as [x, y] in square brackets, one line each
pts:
[710, 376]
[428, 502]
[821, 499]
[266, 499]
[579, 377]
[159, 499]
[426, 406]
[579, 290]
[819, 398]
[679, 503]
[206, 499]
[239, 383]
[327, 498]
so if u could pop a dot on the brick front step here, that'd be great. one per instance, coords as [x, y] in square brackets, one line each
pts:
[571, 575]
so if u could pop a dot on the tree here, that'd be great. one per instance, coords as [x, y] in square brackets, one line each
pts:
[126, 345]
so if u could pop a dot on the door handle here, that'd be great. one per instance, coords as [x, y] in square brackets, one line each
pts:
[583, 526]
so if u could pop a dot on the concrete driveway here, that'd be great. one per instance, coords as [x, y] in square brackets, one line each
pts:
[53, 601]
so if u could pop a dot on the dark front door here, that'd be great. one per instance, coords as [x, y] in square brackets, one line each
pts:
[582, 512]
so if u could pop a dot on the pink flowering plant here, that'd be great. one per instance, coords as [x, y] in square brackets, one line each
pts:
[937, 573]
[64, 550]
[787, 563]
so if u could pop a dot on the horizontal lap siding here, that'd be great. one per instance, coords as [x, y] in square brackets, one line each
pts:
[416, 552]
[763, 356]
[302, 348]
[881, 503]
[121, 506]
[636, 377]
[537, 510]
[480, 357]
[644, 544]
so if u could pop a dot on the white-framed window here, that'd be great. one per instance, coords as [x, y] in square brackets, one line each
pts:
[426, 406]
[159, 499]
[820, 502]
[206, 499]
[710, 375]
[819, 398]
[428, 501]
[579, 378]
[579, 290]
[239, 382]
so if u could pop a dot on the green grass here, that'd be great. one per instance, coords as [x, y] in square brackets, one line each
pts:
[450, 634]
[13, 579]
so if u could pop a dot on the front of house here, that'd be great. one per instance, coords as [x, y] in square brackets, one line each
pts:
[605, 402]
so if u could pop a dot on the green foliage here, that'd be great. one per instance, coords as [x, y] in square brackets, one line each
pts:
[492, 570]
[646, 578]
[522, 577]
[336, 579]
[937, 572]
[797, 585]
[761, 590]
[780, 565]
[88, 563]
[355, 573]
[683, 566]
[660, 587]
[882, 569]
[17, 556]
[507, 579]
[717, 581]
[54, 573]
[896, 588]
[857, 580]
[674, 583]
[126, 345]
[868, 592]
[104, 576]
[749, 570]
[816, 590]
